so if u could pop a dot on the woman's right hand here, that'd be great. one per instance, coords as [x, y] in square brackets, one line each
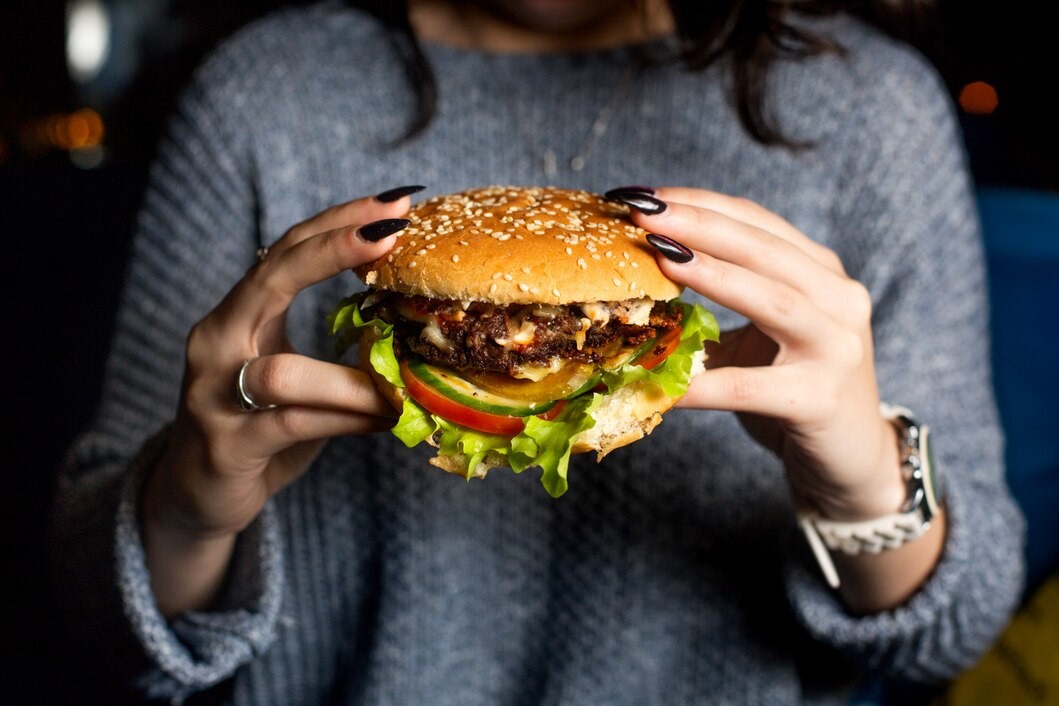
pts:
[222, 463]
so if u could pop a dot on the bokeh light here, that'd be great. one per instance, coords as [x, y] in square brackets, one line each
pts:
[978, 98]
[87, 38]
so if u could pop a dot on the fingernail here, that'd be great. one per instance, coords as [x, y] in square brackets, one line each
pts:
[631, 190]
[400, 192]
[671, 249]
[377, 230]
[644, 203]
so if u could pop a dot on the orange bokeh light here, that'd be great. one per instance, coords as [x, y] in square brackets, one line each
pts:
[978, 98]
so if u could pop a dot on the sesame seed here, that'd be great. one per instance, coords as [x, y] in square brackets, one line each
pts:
[412, 263]
[455, 258]
[617, 282]
[595, 256]
[525, 270]
[508, 278]
[581, 263]
[556, 293]
[497, 275]
[492, 287]
[421, 251]
[569, 251]
[464, 242]
[523, 287]
[632, 286]
[635, 264]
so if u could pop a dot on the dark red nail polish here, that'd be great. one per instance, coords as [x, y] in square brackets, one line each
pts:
[377, 230]
[644, 203]
[392, 195]
[671, 249]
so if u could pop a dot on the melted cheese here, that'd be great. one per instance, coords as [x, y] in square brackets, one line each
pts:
[536, 373]
[432, 334]
[579, 337]
[598, 312]
[521, 337]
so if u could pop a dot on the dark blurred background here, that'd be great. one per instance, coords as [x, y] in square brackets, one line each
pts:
[85, 88]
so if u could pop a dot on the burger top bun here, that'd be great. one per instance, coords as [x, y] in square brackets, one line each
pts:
[515, 245]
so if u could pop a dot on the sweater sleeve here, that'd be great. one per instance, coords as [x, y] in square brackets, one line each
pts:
[909, 214]
[196, 236]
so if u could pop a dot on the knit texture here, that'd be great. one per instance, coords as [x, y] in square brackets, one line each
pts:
[672, 573]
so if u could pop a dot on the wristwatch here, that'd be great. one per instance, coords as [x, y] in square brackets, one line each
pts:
[890, 531]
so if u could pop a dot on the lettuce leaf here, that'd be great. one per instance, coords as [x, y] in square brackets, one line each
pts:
[674, 373]
[415, 425]
[551, 442]
[544, 444]
[346, 322]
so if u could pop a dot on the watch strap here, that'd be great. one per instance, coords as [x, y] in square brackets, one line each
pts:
[889, 531]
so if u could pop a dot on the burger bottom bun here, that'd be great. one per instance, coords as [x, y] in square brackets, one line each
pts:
[627, 415]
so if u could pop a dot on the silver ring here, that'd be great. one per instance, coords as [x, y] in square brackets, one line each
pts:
[246, 402]
[262, 253]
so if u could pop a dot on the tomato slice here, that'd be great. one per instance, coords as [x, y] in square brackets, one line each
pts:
[554, 412]
[660, 349]
[436, 403]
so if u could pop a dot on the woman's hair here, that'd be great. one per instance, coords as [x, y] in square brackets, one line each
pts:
[748, 34]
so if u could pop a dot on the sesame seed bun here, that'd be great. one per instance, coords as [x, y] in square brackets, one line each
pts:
[514, 245]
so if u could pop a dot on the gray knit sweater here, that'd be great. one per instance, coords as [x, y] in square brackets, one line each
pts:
[672, 573]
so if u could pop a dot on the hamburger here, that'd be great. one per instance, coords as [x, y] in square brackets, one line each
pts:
[515, 326]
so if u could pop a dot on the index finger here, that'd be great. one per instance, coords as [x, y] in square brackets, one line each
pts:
[388, 204]
[271, 285]
[754, 214]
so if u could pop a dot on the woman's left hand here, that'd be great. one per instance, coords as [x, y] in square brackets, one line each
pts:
[801, 373]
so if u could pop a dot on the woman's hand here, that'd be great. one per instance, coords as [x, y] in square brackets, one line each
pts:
[801, 374]
[222, 463]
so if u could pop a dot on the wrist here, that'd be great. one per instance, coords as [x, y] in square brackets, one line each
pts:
[187, 564]
[880, 492]
[891, 530]
[167, 510]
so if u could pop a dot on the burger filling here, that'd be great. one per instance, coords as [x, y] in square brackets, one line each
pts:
[521, 340]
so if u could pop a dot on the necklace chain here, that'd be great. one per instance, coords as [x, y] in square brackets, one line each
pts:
[549, 157]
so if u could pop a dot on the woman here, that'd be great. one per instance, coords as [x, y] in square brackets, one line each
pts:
[248, 552]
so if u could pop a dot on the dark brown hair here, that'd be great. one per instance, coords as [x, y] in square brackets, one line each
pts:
[748, 34]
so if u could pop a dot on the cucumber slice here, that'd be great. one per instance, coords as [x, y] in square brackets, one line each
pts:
[450, 384]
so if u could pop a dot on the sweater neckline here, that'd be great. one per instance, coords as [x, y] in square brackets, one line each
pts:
[659, 48]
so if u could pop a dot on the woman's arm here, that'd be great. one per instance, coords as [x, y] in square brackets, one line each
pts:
[222, 463]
